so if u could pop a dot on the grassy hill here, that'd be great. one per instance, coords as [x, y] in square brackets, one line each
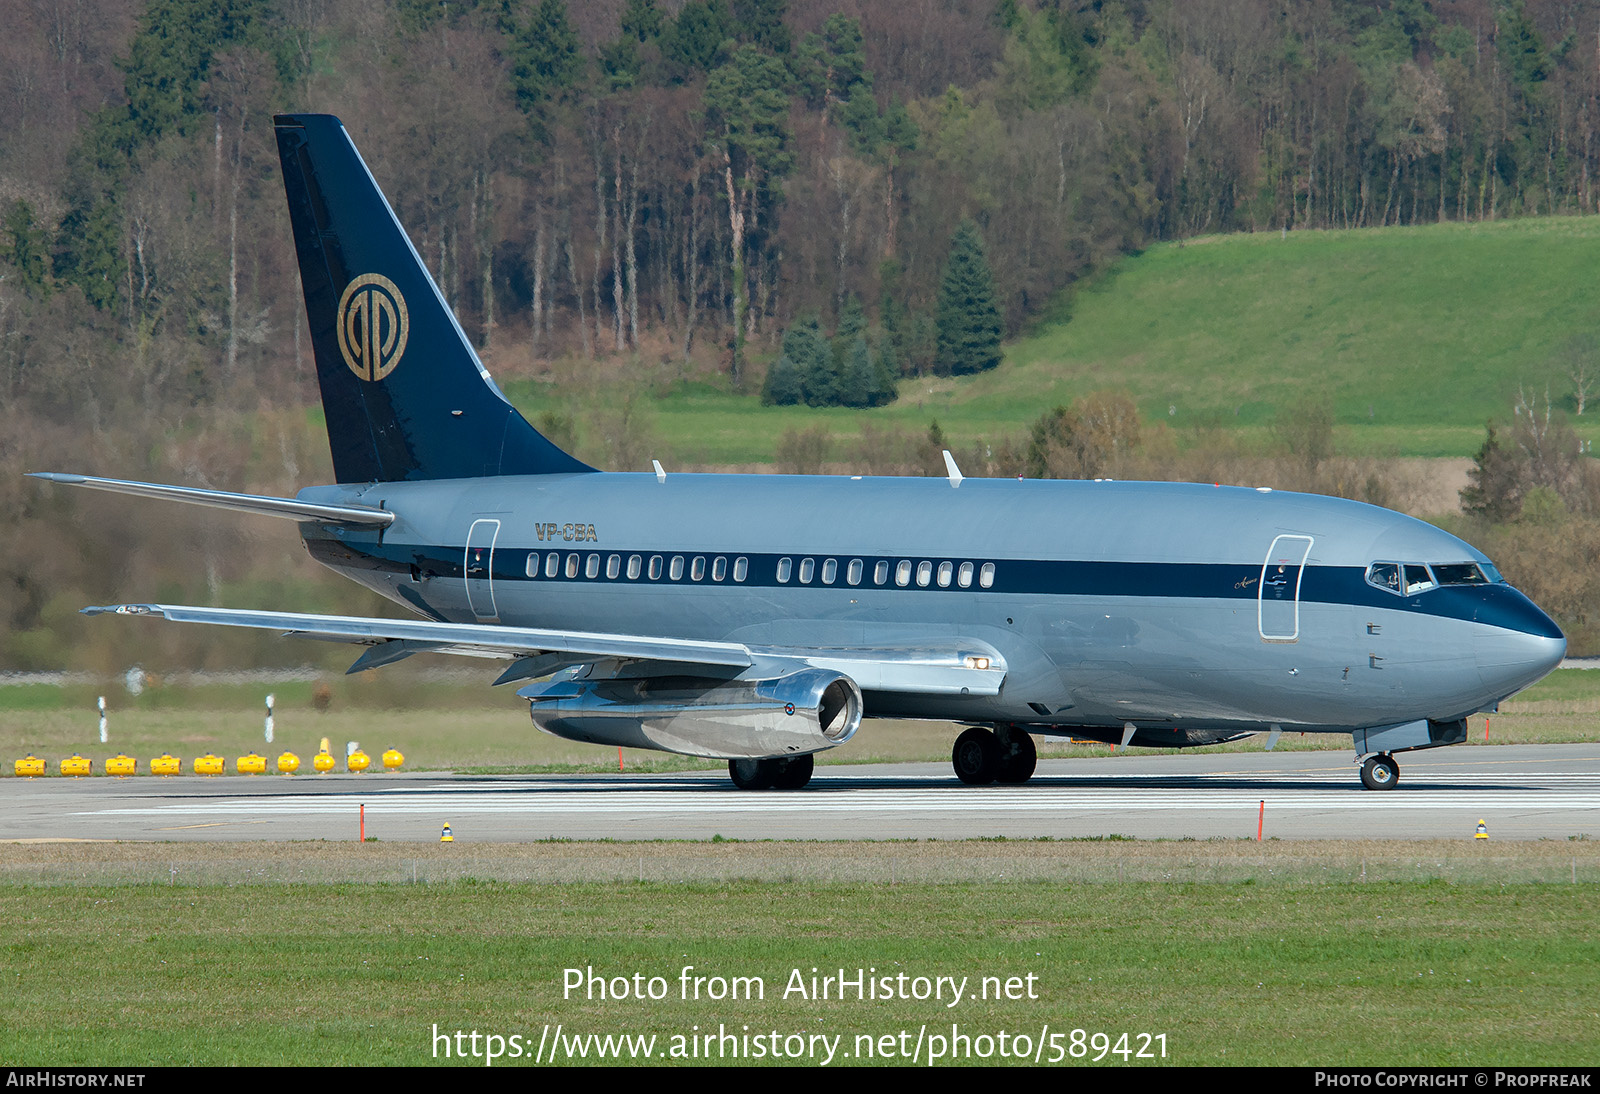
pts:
[1415, 335]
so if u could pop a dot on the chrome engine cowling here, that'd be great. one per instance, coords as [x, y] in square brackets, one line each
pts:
[804, 711]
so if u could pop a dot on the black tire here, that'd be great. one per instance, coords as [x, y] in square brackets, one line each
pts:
[1018, 757]
[1380, 773]
[976, 757]
[793, 773]
[751, 774]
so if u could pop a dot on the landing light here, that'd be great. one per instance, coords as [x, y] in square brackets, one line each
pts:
[977, 662]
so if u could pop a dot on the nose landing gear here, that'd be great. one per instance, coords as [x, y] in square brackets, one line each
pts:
[1380, 772]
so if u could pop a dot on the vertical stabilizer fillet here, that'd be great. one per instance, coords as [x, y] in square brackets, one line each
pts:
[404, 393]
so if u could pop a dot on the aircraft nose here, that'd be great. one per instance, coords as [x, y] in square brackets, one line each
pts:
[1521, 647]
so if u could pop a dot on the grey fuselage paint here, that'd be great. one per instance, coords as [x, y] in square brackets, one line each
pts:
[1111, 602]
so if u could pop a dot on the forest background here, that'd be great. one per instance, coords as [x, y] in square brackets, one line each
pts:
[630, 201]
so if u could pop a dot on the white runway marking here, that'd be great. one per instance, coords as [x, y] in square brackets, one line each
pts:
[1422, 792]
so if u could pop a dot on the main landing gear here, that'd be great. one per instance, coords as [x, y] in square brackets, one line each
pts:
[780, 773]
[1004, 755]
[1380, 772]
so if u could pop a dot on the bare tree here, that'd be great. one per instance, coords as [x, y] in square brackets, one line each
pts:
[1580, 361]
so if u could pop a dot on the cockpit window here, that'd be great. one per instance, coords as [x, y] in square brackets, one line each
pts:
[1385, 575]
[1417, 578]
[1460, 573]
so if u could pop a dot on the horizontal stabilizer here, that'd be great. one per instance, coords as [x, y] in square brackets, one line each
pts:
[287, 508]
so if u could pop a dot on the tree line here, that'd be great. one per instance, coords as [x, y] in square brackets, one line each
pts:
[807, 198]
[692, 179]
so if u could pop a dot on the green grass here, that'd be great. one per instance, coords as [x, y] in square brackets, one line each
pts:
[1234, 973]
[1416, 336]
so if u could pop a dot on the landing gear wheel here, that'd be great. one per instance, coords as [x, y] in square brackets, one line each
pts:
[751, 774]
[976, 757]
[1018, 757]
[1380, 773]
[793, 773]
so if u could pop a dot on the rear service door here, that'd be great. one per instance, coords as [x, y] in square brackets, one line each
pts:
[479, 568]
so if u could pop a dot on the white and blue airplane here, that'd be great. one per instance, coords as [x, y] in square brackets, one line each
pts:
[758, 619]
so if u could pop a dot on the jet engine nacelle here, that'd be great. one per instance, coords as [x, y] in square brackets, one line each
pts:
[806, 711]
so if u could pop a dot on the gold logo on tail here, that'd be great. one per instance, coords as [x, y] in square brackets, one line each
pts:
[372, 326]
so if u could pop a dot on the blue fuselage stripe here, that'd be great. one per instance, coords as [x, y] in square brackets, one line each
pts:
[1497, 604]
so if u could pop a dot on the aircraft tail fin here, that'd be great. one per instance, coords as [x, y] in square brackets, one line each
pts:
[404, 393]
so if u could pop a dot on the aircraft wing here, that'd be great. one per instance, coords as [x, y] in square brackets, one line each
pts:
[960, 668]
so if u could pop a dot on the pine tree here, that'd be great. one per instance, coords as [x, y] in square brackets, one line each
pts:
[805, 364]
[693, 39]
[1497, 482]
[968, 320]
[858, 376]
[545, 59]
[783, 386]
[820, 373]
[29, 250]
[641, 20]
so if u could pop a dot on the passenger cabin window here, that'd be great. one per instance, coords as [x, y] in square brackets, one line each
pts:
[591, 567]
[902, 573]
[613, 567]
[986, 575]
[964, 575]
[635, 566]
[880, 573]
[785, 565]
[572, 565]
[854, 572]
[676, 570]
[697, 568]
[655, 567]
[552, 564]
[719, 568]
[830, 571]
[533, 564]
[807, 567]
[924, 573]
[1385, 575]
[945, 569]
[741, 568]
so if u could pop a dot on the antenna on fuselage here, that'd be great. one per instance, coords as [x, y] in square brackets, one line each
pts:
[955, 472]
[661, 472]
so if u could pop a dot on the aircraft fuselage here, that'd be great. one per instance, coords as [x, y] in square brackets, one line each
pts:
[1177, 608]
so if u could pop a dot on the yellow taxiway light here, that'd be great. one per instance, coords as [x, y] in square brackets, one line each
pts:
[209, 764]
[323, 762]
[75, 765]
[121, 766]
[288, 763]
[30, 766]
[252, 764]
[392, 759]
[166, 764]
[358, 761]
